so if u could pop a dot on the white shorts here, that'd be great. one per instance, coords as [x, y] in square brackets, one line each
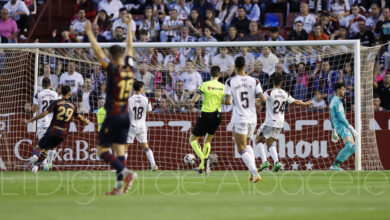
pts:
[267, 131]
[244, 128]
[139, 133]
[41, 131]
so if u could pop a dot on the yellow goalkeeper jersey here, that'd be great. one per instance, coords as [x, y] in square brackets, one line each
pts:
[101, 114]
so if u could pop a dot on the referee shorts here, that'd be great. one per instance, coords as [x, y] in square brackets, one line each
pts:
[207, 123]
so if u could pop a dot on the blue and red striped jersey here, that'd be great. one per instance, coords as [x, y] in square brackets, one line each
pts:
[63, 111]
[119, 86]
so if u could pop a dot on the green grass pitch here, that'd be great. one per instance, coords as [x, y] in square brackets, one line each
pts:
[187, 195]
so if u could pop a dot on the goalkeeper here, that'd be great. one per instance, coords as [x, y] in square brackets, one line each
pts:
[341, 127]
[210, 118]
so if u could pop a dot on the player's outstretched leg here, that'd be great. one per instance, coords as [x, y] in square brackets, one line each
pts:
[33, 159]
[195, 146]
[343, 155]
[265, 164]
[38, 163]
[149, 154]
[206, 153]
[274, 155]
[49, 160]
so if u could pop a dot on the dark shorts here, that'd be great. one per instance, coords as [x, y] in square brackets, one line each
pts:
[114, 130]
[49, 142]
[207, 123]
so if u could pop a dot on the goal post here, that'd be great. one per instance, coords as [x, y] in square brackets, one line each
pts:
[305, 140]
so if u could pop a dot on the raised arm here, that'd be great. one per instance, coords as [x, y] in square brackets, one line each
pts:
[94, 44]
[300, 103]
[43, 114]
[129, 37]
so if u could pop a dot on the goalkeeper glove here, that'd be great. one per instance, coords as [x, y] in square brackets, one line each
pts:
[353, 131]
[335, 137]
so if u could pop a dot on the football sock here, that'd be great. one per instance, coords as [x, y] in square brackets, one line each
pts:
[149, 154]
[251, 153]
[126, 154]
[113, 161]
[346, 152]
[206, 150]
[119, 175]
[260, 147]
[35, 151]
[41, 158]
[50, 156]
[195, 146]
[246, 157]
[274, 153]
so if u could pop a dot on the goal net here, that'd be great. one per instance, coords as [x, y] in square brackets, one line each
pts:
[172, 72]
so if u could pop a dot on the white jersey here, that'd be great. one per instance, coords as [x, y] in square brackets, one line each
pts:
[243, 90]
[276, 100]
[43, 100]
[138, 106]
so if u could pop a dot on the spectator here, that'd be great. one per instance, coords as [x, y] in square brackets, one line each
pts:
[163, 108]
[176, 58]
[151, 57]
[293, 58]
[190, 78]
[159, 10]
[191, 108]
[98, 77]
[209, 51]
[18, 11]
[329, 24]
[341, 34]
[79, 104]
[382, 26]
[156, 100]
[288, 80]
[226, 12]
[96, 32]
[185, 37]
[377, 103]
[213, 23]
[101, 102]
[351, 20]
[201, 61]
[261, 76]
[103, 21]
[278, 5]
[275, 36]
[182, 9]
[118, 35]
[202, 6]
[340, 9]
[306, 18]
[143, 38]
[269, 60]
[249, 59]
[383, 91]
[195, 24]
[324, 79]
[111, 7]
[375, 17]
[318, 102]
[241, 22]
[365, 36]
[77, 26]
[89, 6]
[232, 34]
[72, 78]
[136, 6]
[179, 98]
[8, 28]
[171, 27]
[317, 33]
[315, 8]
[347, 77]
[47, 73]
[150, 24]
[146, 77]
[89, 96]
[298, 33]
[254, 34]
[225, 63]
[120, 22]
[252, 10]
[302, 80]
[66, 37]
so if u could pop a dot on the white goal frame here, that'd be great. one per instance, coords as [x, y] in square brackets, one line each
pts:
[354, 43]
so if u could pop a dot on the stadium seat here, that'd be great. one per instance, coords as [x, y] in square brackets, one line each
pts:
[137, 18]
[280, 17]
[290, 19]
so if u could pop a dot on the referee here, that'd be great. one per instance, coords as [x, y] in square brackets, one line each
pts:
[210, 118]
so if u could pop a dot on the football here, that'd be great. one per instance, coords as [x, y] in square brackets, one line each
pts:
[189, 159]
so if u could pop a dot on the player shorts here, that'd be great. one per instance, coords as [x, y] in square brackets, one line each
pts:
[139, 133]
[49, 142]
[114, 130]
[268, 131]
[41, 132]
[207, 123]
[343, 131]
[244, 128]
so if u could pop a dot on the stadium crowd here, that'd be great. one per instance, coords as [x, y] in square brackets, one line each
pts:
[172, 77]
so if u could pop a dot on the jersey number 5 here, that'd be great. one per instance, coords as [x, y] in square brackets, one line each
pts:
[244, 99]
